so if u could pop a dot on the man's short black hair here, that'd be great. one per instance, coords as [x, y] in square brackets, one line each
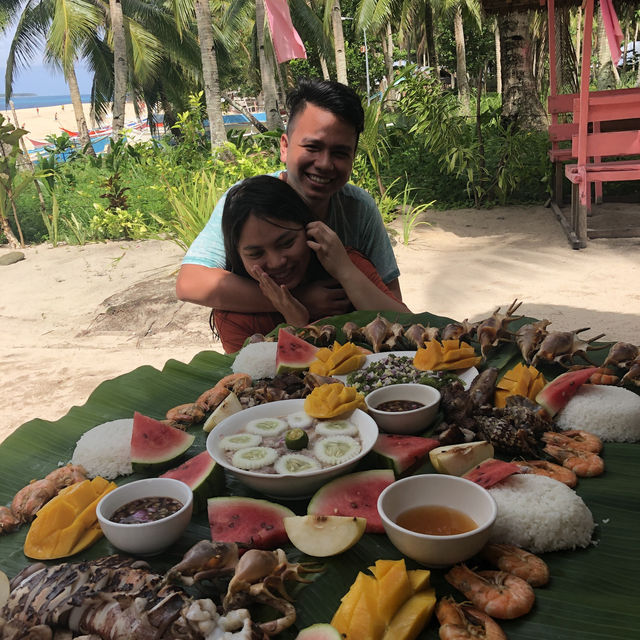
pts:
[335, 97]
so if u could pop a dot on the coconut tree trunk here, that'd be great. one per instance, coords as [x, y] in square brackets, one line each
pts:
[430, 34]
[324, 68]
[81, 123]
[605, 78]
[521, 104]
[461, 61]
[120, 67]
[496, 33]
[338, 42]
[267, 73]
[210, 76]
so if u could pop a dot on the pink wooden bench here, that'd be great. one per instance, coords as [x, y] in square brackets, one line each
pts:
[609, 128]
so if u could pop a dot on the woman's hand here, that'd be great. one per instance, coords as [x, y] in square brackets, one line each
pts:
[329, 249]
[294, 312]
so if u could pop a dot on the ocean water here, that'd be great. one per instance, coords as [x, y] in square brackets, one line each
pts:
[30, 102]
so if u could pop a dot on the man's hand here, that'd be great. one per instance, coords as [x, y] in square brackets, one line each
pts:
[323, 298]
[294, 312]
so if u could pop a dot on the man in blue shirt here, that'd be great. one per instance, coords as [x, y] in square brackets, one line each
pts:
[318, 149]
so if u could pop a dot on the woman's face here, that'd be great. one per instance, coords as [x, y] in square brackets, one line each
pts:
[278, 247]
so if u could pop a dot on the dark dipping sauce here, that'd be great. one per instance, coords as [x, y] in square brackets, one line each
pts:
[145, 510]
[399, 405]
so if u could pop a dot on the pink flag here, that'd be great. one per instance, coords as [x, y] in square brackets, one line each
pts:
[612, 27]
[285, 38]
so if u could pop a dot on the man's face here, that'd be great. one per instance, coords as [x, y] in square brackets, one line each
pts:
[318, 153]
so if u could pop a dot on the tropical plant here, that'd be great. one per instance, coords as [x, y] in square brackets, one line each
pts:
[192, 202]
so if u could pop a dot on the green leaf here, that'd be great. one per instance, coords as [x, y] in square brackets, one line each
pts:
[592, 594]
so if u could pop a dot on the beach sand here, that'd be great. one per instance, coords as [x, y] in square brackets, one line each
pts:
[75, 316]
[43, 121]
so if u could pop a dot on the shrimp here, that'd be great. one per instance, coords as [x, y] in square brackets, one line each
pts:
[235, 382]
[8, 522]
[583, 463]
[30, 498]
[67, 475]
[550, 470]
[574, 439]
[185, 414]
[521, 563]
[463, 622]
[497, 593]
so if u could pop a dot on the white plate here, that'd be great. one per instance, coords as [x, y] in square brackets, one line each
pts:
[466, 375]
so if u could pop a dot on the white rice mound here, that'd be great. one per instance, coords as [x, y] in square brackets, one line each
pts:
[540, 514]
[611, 413]
[257, 359]
[105, 450]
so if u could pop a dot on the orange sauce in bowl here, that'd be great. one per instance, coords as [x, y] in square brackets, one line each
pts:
[435, 520]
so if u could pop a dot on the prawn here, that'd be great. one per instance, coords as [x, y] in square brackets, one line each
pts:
[185, 414]
[67, 475]
[574, 439]
[235, 382]
[521, 563]
[498, 593]
[464, 622]
[30, 498]
[550, 470]
[8, 522]
[583, 463]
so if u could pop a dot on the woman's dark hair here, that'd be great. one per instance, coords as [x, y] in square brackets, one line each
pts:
[335, 97]
[267, 198]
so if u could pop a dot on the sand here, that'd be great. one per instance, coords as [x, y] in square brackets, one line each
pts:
[43, 121]
[75, 316]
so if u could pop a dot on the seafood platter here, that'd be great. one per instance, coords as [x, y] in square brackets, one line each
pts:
[314, 561]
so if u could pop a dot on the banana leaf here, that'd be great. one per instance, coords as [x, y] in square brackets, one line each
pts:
[592, 594]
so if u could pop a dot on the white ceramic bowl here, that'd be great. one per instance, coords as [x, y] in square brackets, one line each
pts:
[404, 422]
[147, 538]
[437, 490]
[296, 485]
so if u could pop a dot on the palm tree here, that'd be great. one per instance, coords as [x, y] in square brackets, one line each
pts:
[120, 66]
[338, 41]
[272, 110]
[63, 25]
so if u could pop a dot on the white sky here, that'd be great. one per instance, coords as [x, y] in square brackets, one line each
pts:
[38, 79]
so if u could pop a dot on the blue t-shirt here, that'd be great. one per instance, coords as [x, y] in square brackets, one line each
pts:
[353, 215]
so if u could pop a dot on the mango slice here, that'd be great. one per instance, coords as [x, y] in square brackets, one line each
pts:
[522, 380]
[393, 604]
[68, 522]
[445, 355]
[412, 617]
[332, 400]
[339, 360]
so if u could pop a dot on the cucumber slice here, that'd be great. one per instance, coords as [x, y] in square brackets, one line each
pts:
[254, 457]
[296, 439]
[299, 420]
[295, 463]
[266, 426]
[336, 449]
[336, 427]
[240, 441]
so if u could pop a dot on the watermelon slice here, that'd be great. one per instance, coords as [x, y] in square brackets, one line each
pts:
[203, 475]
[556, 394]
[293, 353]
[491, 471]
[248, 521]
[355, 494]
[401, 453]
[155, 445]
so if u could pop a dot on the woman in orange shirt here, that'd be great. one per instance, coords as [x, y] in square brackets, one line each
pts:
[270, 235]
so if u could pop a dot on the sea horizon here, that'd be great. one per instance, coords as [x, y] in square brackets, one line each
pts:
[32, 100]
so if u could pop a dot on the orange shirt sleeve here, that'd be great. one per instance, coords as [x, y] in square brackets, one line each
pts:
[369, 270]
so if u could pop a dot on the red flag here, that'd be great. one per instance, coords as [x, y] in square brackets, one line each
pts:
[286, 41]
[612, 27]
